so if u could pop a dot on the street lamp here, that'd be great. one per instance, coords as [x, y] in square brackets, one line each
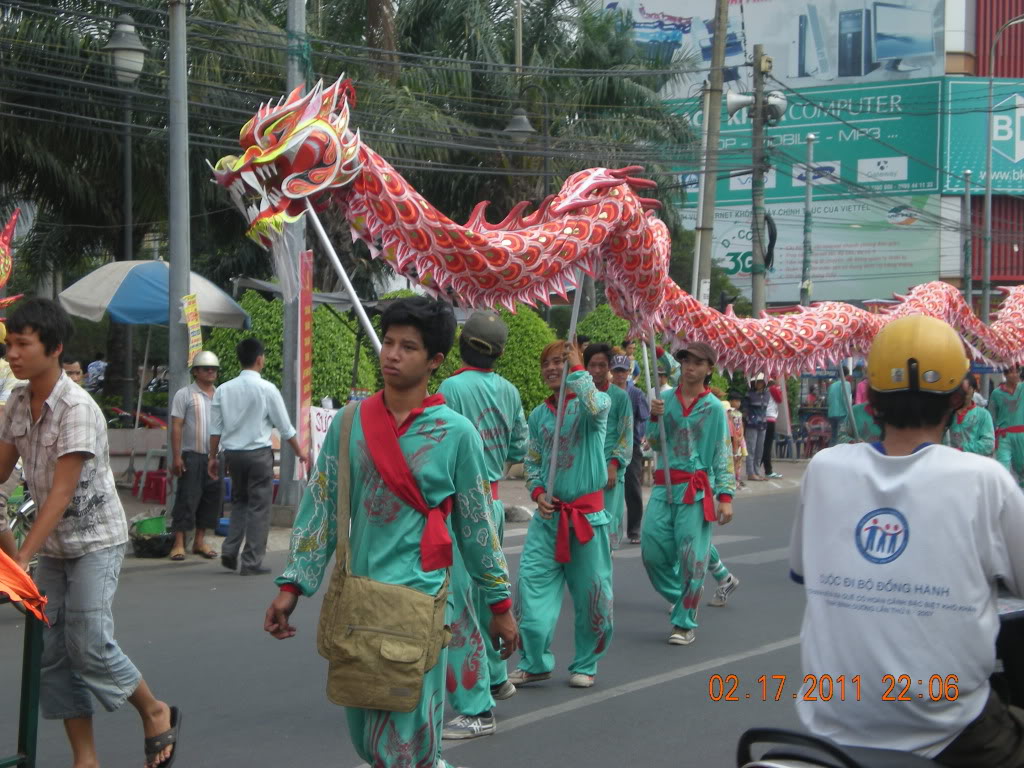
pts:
[986, 277]
[127, 55]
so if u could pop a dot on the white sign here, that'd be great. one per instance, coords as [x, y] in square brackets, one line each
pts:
[825, 172]
[882, 169]
[319, 420]
[746, 181]
[1008, 128]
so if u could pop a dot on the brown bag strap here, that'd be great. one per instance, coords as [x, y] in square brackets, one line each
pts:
[344, 486]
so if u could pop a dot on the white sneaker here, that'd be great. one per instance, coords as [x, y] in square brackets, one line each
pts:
[522, 677]
[681, 636]
[726, 588]
[578, 680]
[503, 691]
[469, 727]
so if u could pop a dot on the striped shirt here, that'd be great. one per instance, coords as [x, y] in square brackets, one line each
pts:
[70, 422]
[192, 406]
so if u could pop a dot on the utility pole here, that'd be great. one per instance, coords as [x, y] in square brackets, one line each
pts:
[757, 270]
[702, 178]
[805, 270]
[967, 227]
[713, 125]
[178, 195]
[289, 489]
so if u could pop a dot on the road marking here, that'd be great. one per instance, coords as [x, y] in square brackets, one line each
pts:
[626, 688]
[718, 541]
[759, 558]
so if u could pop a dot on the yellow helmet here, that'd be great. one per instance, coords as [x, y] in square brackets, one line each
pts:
[917, 353]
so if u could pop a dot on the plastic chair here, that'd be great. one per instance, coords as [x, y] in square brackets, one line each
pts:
[156, 457]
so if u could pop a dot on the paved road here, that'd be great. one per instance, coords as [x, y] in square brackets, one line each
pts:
[195, 630]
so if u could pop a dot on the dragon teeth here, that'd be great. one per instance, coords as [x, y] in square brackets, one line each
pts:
[250, 178]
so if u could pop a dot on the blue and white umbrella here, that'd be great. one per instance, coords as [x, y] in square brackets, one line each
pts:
[136, 292]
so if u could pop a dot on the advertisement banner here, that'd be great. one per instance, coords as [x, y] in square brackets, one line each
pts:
[812, 42]
[871, 139]
[316, 426]
[967, 119]
[305, 352]
[190, 309]
[862, 249]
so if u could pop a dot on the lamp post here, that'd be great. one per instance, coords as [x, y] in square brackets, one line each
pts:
[128, 55]
[986, 276]
[519, 130]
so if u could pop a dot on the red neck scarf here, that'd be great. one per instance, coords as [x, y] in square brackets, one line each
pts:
[382, 435]
[697, 399]
[465, 368]
[602, 387]
[552, 401]
[962, 413]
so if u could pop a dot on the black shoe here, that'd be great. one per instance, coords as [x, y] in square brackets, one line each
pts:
[253, 571]
[229, 562]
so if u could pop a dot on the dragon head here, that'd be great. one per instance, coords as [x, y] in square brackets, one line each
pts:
[296, 149]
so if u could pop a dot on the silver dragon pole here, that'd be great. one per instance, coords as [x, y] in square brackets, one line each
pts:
[661, 426]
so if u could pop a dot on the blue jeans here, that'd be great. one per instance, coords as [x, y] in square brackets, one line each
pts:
[80, 655]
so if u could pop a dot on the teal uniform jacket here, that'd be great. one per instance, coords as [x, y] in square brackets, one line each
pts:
[446, 457]
[1005, 407]
[618, 439]
[836, 400]
[867, 430]
[972, 431]
[582, 468]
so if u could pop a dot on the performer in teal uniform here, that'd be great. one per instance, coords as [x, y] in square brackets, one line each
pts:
[972, 430]
[477, 675]
[676, 536]
[1007, 408]
[618, 439]
[392, 541]
[567, 541]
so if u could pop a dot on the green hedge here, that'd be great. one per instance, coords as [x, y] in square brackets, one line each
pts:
[603, 326]
[333, 348]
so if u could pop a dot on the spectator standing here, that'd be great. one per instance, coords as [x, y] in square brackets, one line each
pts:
[96, 372]
[628, 349]
[242, 415]
[73, 368]
[774, 400]
[621, 371]
[861, 392]
[837, 399]
[80, 535]
[755, 420]
[198, 499]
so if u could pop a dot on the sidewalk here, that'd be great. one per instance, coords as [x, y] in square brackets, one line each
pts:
[518, 508]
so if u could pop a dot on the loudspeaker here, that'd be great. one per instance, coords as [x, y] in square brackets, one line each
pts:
[775, 106]
[734, 102]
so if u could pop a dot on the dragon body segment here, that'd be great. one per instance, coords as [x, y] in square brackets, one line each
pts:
[302, 149]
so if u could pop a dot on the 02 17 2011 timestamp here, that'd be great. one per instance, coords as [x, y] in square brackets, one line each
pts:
[773, 688]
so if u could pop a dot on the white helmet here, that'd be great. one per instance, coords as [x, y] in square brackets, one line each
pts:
[205, 359]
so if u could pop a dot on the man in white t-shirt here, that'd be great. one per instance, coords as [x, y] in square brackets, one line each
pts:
[900, 544]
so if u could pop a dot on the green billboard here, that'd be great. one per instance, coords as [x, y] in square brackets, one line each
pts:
[871, 139]
[966, 123]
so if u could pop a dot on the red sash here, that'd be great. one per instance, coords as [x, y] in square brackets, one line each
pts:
[472, 368]
[575, 512]
[1004, 431]
[382, 441]
[494, 490]
[695, 481]
[962, 414]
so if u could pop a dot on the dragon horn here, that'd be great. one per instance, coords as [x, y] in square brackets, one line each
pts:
[8, 233]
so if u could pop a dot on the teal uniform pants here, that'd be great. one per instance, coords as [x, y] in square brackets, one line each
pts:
[674, 544]
[542, 580]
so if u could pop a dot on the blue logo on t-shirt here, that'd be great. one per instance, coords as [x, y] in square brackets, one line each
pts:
[882, 535]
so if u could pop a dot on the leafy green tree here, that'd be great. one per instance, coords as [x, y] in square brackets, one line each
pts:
[333, 348]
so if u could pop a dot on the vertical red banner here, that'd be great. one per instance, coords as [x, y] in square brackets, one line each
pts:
[305, 367]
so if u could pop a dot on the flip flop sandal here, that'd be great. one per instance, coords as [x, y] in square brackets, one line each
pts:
[208, 554]
[178, 557]
[634, 539]
[156, 744]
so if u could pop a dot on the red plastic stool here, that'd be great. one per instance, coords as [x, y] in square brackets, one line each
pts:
[156, 487]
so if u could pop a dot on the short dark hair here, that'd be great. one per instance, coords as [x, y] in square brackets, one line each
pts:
[99, 356]
[626, 342]
[913, 410]
[972, 381]
[44, 316]
[70, 360]
[472, 356]
[433, 318]
[248, 350]
[597, 349]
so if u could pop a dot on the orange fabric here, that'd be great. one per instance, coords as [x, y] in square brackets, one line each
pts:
[20, 588]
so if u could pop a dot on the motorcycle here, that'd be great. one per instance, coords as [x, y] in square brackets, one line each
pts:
[789, 749]
[21, 514]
